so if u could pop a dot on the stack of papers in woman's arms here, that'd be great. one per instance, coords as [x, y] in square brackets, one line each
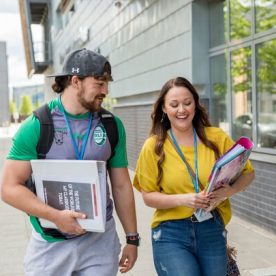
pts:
[226, 170]
[78, 185]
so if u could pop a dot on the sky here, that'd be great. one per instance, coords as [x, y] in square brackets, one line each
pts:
[10, 32]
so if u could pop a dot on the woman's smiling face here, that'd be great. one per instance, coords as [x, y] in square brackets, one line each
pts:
[179, 104]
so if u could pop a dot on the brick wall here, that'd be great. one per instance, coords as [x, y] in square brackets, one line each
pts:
[137, 122]
[258, 203]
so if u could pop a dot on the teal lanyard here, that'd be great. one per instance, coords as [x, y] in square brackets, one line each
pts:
[194, 180]
[79, 154]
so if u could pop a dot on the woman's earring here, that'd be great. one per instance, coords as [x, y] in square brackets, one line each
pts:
[163, 117]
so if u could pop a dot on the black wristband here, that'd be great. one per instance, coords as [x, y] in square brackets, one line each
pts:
[134, 240]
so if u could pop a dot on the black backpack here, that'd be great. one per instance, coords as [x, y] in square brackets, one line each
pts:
[43, 114]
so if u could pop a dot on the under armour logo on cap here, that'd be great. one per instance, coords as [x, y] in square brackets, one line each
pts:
[75, 70]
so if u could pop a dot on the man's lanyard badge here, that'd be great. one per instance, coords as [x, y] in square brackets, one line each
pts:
[79, 154]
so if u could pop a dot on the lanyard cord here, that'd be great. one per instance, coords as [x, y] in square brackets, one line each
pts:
[79, 154]
[194, 180]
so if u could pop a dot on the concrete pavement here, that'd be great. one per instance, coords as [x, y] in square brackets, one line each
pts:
[256, 247]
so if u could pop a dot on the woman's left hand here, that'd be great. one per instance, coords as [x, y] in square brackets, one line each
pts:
[223, 192]
[227, 190]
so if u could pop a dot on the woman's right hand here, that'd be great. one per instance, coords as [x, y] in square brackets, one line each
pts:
[164, 201]
[196, 200]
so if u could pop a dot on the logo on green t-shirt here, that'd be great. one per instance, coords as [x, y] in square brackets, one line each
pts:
[99, 135]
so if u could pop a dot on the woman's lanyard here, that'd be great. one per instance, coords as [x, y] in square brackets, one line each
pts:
[79, 154]
[194, 180]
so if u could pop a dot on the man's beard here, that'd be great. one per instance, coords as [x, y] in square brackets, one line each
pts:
[89, 105]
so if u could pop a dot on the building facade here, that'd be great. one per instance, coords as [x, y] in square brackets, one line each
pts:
[225, 48]
[4, 86]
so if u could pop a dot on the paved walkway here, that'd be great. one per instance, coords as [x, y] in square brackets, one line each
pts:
[256, 247]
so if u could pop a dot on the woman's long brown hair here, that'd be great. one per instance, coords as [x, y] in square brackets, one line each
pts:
[161, 123]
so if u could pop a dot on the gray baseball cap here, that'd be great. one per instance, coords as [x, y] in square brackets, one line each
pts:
[85, 63]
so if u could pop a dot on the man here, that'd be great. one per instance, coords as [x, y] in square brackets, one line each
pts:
[82, 86]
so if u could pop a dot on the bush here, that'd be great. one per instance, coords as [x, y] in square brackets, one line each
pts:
[12, 106]
[109, 102]
[26, 107]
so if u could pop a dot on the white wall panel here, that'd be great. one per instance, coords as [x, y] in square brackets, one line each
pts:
[170, 51]
[153, 80]
[175, 24]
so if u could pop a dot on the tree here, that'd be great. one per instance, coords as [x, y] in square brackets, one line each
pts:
[26, 107]
[109, 102]
[265, 15]
[12, 107]
[266, 65]
[13, 110]
[240, 14]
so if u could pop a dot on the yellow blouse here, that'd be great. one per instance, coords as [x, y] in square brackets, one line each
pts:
[176, 178]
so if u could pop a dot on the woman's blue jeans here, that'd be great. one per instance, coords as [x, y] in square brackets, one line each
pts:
[186, 248]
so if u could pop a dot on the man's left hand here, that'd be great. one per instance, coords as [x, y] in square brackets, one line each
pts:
[129, 257]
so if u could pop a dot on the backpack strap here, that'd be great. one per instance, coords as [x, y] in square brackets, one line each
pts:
[109, 123]
[43, 114]
[45, 140]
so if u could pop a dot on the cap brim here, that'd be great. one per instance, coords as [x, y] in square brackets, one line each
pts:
[65, 75]
[57, 75]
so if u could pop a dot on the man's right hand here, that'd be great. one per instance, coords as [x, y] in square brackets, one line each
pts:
[66, 221]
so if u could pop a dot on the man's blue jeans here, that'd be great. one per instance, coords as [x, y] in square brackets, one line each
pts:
[182, 247]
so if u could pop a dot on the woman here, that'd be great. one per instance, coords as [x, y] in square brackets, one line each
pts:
[181, 244]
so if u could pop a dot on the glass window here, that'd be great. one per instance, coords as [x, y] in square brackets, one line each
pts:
[240, 18]
[266, 94]
[265, 15]
[241, 84]
[233, 20]
[218, 22]
[38, 42]
[219, 104]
